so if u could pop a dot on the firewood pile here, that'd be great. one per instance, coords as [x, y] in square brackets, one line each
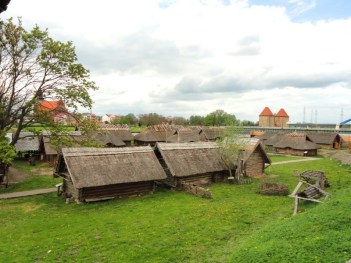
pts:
[267, 188]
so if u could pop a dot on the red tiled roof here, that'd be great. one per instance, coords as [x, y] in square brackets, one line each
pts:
[266, 112]
[50, 105]
[282, 113]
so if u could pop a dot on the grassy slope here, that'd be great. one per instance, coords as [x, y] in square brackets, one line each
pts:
[238, 225]
[322, 233]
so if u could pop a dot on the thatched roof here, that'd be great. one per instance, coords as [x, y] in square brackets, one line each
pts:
[212, 133]
[187, 159]
[324, 138]
[90, 167]
[250, 146]
[273, 139]
[154, 136]
[50, 149]
[185, 135]
[108, 126]
[27, 141]
[297, 141]
[108, 138]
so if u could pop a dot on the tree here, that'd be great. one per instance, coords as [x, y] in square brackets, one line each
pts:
[129, 119]
[7, 151]
[196, 120]
[220, 118]
[151, 119]
[231, 151]
[33, 66]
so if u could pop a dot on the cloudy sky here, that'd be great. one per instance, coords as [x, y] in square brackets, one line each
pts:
[191, 57]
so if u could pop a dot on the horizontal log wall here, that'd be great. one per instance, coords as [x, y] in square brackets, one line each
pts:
[117, 190]
[69, 190]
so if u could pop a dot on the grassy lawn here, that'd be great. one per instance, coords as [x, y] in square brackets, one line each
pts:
[39, 176]
[237, 225]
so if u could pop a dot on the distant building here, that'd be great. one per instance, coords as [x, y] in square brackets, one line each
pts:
[108, 118]
[56, 109]
[268, 119]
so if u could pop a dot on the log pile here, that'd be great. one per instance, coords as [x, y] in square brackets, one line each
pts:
[273, 189]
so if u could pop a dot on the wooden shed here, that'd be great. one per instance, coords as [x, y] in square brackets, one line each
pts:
[91, 174]
[211, 133]
[255, 158]
[28, 143]
[185, 135]
[121, 132]
[296, 144]
[327, 140]
[151, 137]
[49, 151]
[197, 162]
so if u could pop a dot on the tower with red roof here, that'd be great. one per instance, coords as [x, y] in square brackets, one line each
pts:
[268, 119]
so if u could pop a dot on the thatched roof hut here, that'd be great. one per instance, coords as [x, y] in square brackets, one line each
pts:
[109, 138]
[190, 162]
[150, 137]
[185, 135]
[255, 158]
[211, 133]
[27, 142]
[296, 144]
[103, 173]
[327, 140]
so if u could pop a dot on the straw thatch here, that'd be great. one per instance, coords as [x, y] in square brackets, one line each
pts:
[211, 133]
[151, 137]
[27, 141]
[327, 140]
[91, 167]
[188, 159]
[185, 135]
[109, 138]
[297, 141]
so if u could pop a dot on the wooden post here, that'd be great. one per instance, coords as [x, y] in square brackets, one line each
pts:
[296, 205]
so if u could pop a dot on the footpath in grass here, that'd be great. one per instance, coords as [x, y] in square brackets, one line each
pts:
[172, 226]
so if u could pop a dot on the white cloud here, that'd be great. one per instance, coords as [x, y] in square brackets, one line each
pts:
[183, 57]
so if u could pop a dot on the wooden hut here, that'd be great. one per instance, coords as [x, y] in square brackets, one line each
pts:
[211, 133]
[49, 151]
[119, 132]
[197, 162]
[327, 140]
[27, 144]
[185, 135]
[296, 144]
[255, 158]
[92, 174]
[154, 134]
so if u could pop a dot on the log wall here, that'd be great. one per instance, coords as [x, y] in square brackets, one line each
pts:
[116, 191]
[254, 165]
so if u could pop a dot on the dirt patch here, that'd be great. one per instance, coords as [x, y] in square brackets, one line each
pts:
[16, 176]
[342, 155]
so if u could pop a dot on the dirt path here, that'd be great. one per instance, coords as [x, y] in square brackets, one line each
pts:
[27, 193]
[296, 161]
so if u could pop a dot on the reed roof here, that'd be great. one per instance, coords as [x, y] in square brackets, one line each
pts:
[187, 159]
[90, 167]
[27, 141]
[297, 142]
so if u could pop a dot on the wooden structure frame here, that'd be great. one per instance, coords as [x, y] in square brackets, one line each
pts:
[312, 191]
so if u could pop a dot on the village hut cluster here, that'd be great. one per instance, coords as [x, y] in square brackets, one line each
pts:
[177, 157]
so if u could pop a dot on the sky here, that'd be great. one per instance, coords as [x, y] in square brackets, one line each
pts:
[192, 57]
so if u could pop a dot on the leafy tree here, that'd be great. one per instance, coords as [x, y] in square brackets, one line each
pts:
[178, 121]
[231, 151]
[151, 119]
[33, 66]
[196, 120]
[248, 123]
[220, 118]
[129, 119]
[7, 151]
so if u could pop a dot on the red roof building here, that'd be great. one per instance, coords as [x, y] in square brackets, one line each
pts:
[266, 112]
[282, 113]
[57, 110]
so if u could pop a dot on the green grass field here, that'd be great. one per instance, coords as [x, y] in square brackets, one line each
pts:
[237, 225]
